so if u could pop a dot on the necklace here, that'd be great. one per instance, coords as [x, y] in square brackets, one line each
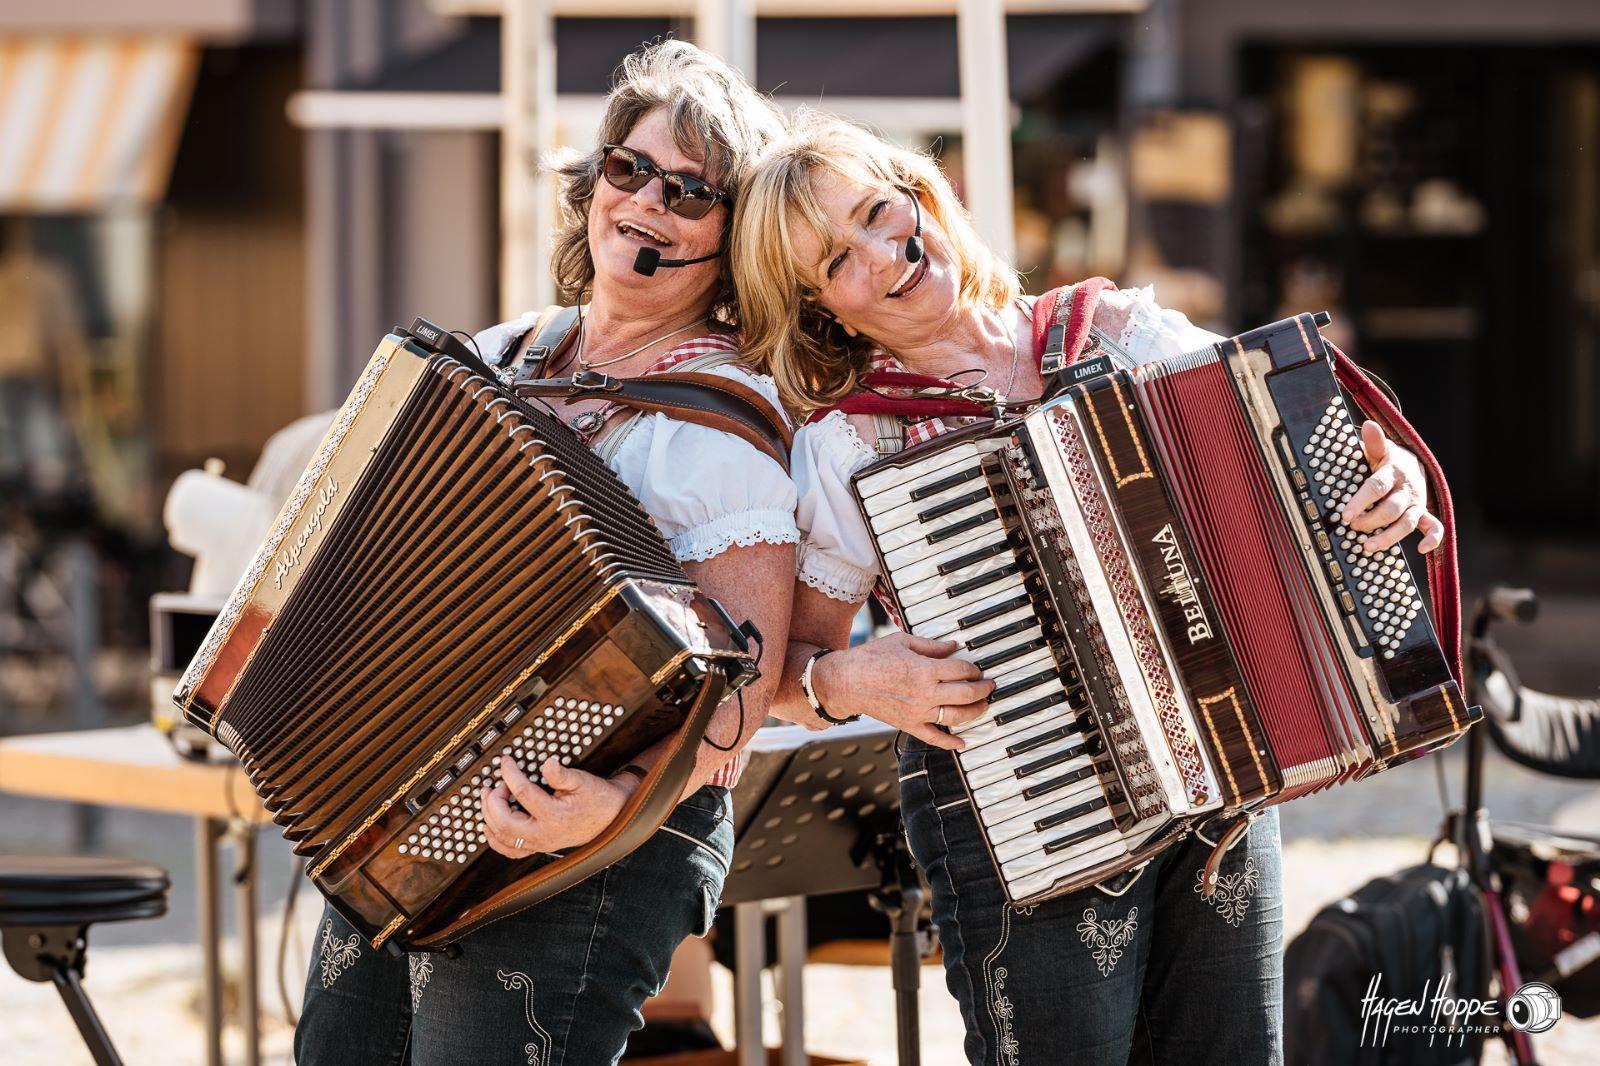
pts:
[583, 334]
[1016, 357]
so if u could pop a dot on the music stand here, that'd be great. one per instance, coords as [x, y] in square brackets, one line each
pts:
[813, 814]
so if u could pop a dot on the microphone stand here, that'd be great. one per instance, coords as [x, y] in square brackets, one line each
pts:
[899, 897]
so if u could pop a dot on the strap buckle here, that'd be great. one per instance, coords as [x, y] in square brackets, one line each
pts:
[979, 394]
[594, 381]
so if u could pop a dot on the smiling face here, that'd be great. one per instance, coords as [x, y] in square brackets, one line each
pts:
[858, 267]
[621, 223]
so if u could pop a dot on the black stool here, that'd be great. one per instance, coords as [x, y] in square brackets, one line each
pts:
[46, 908]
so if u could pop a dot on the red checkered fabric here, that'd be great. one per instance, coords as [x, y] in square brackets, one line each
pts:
[709, 344]
[922, 430]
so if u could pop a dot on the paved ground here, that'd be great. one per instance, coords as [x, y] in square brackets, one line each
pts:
[145, 974]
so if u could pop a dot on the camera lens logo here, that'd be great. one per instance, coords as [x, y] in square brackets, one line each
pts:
[1535, 1008]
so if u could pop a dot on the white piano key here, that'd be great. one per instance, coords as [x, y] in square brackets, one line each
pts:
[911, 510]
[1020, 846]
[980, 776]
[1072, 862]
[948, 626]
[874, 484]
[1015, 806]
[986, 729]
[928, 566]
[922, 551]
[989, 651]
[933, 608]
[1027, 823]
[917, 591]
[1010, 785]
[918, 532]
[981, 630]
[1038, 860]
[1018, 732]
[1032, 663]
[970, 471]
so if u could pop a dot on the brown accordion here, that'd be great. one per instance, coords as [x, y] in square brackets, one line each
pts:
[1152, 568]
[455, 578]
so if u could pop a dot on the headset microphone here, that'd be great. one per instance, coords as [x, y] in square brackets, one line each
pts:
[914, 242]
[650, 258]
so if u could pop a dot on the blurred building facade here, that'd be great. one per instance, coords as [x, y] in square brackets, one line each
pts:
[318, 171]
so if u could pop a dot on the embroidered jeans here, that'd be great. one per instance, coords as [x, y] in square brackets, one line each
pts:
[1158, 974]
[560, 983]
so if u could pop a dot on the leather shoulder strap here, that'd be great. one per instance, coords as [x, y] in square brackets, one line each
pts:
[1062, 319]
[704, 399]
[553, 332]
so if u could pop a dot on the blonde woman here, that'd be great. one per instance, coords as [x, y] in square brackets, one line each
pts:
[562, 982]
[1144, 967]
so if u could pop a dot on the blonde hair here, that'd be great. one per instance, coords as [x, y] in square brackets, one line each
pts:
[787, 333]
[715, 118]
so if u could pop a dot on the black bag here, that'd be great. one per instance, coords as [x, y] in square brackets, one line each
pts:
[1416, 928]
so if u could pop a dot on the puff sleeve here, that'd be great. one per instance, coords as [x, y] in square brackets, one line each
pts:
[836, 556]
[1146, 330]
[707, 490]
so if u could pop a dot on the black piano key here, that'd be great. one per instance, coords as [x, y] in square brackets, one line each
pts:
[1002, 633]
[1044, 788]
[1063, 843]
[951, 506]
[945, 483]
[994, 610]
[966, 525]
[1032, 707]
[1063, 817]
[989, 662]
[961, 588]
[1022, 747]
[1056, 759]
[1011, 688]
[997, 548]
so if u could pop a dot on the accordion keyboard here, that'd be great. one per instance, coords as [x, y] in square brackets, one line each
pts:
[959, 575]
[1152, 567]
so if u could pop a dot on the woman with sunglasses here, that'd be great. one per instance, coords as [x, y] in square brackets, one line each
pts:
[563, 982]
[1141, 968]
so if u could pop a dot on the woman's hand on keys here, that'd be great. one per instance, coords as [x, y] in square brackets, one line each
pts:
[912, 683]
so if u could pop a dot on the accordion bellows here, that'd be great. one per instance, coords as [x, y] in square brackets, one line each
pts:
[455, 578]
[1152, 568]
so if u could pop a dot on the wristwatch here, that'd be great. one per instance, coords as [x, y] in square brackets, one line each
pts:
[811, 695]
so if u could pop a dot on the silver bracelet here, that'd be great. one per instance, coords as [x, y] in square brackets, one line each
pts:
[811, 694]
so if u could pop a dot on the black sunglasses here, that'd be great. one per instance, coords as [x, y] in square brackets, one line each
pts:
[684, 194]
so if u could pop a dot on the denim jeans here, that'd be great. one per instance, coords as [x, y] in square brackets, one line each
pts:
[1155, 974]
[559, 983]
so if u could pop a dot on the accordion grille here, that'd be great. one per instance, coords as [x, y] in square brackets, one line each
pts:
[478, 532]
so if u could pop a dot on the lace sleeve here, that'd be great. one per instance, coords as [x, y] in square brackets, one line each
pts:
[836, 556]
[1146, 330]
[707, 490]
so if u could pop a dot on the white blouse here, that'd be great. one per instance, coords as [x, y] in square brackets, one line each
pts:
[707, 489]
[836, 556]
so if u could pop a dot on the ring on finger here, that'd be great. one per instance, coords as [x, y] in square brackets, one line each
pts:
[938, 718]
[517, 843]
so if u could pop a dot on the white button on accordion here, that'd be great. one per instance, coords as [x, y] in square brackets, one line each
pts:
[1152, 568]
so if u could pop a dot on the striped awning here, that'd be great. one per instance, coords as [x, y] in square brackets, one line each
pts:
[88, 123]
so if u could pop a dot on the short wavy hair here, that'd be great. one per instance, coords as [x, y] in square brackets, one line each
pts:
[786, 331]
[716, 118]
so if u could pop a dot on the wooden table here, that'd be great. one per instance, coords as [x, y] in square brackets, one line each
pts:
[135, 767]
